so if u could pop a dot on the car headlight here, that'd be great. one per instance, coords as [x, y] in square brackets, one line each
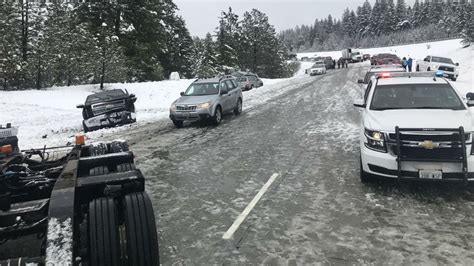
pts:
[375, 140]
[204, 105]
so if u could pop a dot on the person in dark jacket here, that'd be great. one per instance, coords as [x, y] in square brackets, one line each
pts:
[404, 63]
[338, 64]
[409, 64]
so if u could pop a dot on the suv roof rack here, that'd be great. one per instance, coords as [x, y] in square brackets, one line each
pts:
[225, 76]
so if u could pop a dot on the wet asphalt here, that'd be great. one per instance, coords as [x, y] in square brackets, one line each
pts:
[201, 177]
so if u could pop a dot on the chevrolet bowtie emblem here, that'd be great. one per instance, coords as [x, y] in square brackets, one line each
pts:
[428, 144]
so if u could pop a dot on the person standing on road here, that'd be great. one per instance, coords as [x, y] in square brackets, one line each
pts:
[338, 64]
[346, 63]
[409, 64]
[404, 63]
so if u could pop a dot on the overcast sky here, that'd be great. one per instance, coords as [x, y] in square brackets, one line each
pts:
[201, 16]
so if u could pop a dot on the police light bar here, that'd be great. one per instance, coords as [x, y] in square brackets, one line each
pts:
[409, 74]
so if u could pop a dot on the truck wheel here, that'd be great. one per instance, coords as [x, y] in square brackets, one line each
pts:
[142, 241]
[238, 108]
[364, 176]
[178, 124]
[454, 79]
[118, 146]
[86, 129]
[417, 68]
[217, 118]
[104, 244]
[125, 167]
[98, 149]
[100, 170]
[429, 69]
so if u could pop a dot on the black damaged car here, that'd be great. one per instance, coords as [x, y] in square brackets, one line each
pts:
[108, 109]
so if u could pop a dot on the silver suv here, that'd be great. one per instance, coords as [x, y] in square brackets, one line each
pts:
[207, 100]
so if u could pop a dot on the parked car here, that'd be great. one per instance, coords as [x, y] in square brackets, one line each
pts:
[415, 126]
[318, 68]
[379, 69]
[207, 100]
[108, 109]
[385, 59]
[249, 81]
[434, 63]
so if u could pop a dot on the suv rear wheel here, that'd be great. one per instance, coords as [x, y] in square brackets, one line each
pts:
[217, 118]
[238, 108]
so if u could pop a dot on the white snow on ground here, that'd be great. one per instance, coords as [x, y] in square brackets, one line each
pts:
[52, 113]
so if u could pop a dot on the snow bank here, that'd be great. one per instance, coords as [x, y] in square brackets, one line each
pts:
[50, 117]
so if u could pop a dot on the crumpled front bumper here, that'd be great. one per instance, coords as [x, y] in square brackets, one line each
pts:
[110, 120]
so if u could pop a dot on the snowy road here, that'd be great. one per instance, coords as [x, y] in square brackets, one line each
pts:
[316, 211]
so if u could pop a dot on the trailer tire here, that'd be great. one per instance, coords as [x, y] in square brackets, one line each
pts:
[118, 146]
[99, 170]
[98, 149]
[142, 241]
[104, 243]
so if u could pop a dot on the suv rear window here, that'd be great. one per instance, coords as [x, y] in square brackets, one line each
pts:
[416, 96]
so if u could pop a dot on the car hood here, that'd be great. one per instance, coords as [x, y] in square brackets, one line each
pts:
[387, 120]
[317, 68]
[196, 99]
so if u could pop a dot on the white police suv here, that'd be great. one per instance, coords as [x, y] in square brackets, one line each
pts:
[415, 126]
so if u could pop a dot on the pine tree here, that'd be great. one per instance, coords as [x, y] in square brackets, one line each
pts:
[10, 46]
[261, 51]
[227, 40]
[401, 15]
[363, 14]
[205, 65]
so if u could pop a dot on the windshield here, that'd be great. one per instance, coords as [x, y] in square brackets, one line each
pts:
[243, 79]
[318, 64]
[199, 89]
[442, 60]
[356, 53]
[416, 96]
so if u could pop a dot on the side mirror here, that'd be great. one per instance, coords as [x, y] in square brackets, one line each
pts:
[470, 99]
[223, 92]
[359, 103]
[181, 93]
[457, 64]
[360, 81]
[80, 106]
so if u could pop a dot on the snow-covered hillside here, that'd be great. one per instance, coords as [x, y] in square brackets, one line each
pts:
[52, 113]
[449, 48]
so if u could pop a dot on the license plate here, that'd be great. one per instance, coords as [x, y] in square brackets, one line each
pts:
[185, 114]
[424, 174]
